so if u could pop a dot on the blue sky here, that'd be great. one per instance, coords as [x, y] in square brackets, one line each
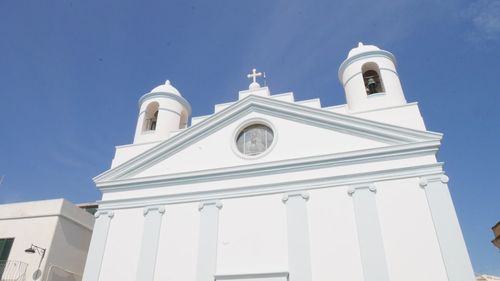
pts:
[71, 73]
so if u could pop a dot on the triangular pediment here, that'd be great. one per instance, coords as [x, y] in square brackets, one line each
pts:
[301, 132]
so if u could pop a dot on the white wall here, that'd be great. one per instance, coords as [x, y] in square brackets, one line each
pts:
[334, 242]
[292, 140]
[252, 236]
[410, 240]
[123, 244]
[178, 246]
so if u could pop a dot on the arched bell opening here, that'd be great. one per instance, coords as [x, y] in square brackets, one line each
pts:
[371, 78]
[183, 121]
[151, 117]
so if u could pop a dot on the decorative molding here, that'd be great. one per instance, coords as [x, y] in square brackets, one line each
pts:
[109, 213]
[169, 110]
[177, 98]
[276, 188]
[365, 55]
[160, 209]
[370, 186]
[162, 109]
[424, 181]
[351, 190]
[216, 203]
[276, 167]
[350, 78]
[444, 178]
[303, 194]
[388, 69]
[317, 117]
[251, 276]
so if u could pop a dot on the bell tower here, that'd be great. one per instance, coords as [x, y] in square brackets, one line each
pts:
[370, 79]
[161, 111]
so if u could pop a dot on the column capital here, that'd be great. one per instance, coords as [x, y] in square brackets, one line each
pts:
[352, 189]
[216, 203]
[304, 194]
[424, 181]
[160, 209]
[109, 213]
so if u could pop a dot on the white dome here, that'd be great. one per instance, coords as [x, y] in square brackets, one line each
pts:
[362, 49]
[166, 88]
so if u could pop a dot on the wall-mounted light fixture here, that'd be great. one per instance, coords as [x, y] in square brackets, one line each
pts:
[35, 249]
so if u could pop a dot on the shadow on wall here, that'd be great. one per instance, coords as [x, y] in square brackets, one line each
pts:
[58, 274]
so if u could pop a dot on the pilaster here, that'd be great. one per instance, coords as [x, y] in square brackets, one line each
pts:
[371, 243]
[451, 242]
[97, 245]
[299, 257]
[150, 241]
[207, 246]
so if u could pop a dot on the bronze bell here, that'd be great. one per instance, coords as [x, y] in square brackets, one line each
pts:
[372, 85]
[371, 82]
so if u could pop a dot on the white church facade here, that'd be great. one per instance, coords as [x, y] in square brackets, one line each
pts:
[272, 189]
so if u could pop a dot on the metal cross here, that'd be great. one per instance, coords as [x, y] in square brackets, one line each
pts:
[254, 75]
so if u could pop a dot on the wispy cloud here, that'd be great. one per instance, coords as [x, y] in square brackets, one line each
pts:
[485, 18]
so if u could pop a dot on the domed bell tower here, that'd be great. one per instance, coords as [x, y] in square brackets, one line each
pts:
[370, 79]
[161, 111]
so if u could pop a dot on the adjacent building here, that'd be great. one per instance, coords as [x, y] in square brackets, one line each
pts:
[268, 188]
[43, 240]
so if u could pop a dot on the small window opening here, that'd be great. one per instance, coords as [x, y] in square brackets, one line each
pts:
[151, 117]
[372, 80]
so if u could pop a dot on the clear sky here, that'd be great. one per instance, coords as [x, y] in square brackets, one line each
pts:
[71, 73]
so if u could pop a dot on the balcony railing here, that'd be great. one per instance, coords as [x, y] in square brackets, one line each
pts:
[13, 270]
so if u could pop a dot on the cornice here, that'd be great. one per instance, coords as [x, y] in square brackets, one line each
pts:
[386, 133]
[253, 276]
[276, 167]
[287, 187]
[177, 98]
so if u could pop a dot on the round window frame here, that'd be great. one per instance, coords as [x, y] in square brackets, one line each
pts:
[243, 126]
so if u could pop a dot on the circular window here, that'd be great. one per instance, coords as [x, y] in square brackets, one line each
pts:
[254, 139]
